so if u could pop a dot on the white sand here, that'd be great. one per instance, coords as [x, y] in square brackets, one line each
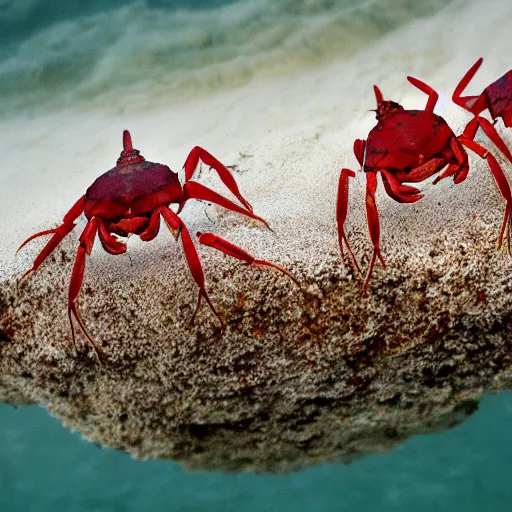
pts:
[299, 129]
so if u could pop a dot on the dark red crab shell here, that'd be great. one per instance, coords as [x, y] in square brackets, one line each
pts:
[499, 98]
[125, 196]
[402, 138]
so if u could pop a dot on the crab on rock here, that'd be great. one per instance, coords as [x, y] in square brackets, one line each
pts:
[130, 199]
[496, 98]
[410, 146]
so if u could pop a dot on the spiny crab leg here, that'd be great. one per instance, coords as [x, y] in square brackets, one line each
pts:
[75, 283]
[490, 131]
[215, 241]
[468, 102]
[86, 242]
[195, 190]
[341, 214]
[58, 234]
[226, 177]
[342, 198]
[111, 245]
[177, 227]
[432, 94]
[373, 225]
[501, 181]
[475, 105]
[175, 224]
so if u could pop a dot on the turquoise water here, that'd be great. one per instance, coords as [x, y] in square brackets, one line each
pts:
[43, 467]
[61, 54]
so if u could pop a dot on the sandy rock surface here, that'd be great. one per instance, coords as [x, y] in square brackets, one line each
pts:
[302, 375]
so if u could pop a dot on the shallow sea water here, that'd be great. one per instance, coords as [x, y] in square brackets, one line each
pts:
[65, 53]
[44, 467]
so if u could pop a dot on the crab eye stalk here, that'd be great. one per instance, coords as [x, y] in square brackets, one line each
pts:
[127, 141]
[386, 107]
[378, 94]
[129, 155]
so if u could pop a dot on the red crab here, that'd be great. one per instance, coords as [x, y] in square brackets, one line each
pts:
[130, 198]
[497, 98]
[409, 146]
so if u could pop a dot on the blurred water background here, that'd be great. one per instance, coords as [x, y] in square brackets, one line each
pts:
[466, 469]
[63, 53]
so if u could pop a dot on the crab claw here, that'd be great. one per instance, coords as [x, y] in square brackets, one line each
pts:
[398, 191]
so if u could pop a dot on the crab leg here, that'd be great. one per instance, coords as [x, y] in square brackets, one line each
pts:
[176, 224]
[501, 181]
[58, 234]
[226, 177]
[476, 105]
[341, 214]
[458, 170]
[490, 131]
[397, 190]
[422, 172]
[195, 190]
[432, 95]
[153, 227]
[87, 237]
[77, 276]
[473, 104]
[373, 224]
[230, 249]
[342, 199]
